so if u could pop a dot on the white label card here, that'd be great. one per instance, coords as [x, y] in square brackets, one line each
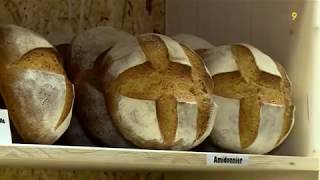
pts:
[5, 132]
[224, 159]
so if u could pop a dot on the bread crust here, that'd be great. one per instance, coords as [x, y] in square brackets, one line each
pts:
[151, 90]
[34, 86]
[253, 93]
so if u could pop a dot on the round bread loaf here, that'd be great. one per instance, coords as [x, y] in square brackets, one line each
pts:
[253, 94]
[159, 93]
[193, 42]
[88, 48]
[34, 86]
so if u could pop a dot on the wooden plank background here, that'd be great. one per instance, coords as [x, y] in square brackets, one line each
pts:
[73, 16]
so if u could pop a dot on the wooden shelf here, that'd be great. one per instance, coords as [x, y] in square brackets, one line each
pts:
[89, 158]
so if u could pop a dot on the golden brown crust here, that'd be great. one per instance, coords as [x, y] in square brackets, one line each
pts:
[165, 82]
[34, 86]
[249, 119]
[143, 82]
[42, 59]
[166, 104]
[167, 118]
[203, 89]
[251, 86]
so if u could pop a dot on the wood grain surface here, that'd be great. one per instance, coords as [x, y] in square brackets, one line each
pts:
[90, 158]
[74, 16]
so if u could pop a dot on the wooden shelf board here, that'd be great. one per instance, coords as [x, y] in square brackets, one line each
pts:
[92, 158]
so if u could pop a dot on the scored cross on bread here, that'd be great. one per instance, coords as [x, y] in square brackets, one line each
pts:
[34, 86]
[253, 93]
[159, 93]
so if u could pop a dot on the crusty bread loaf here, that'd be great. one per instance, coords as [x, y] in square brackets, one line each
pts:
[88, 48]
[193, 42]
[253, 93]
[34, 86]
[159, 93]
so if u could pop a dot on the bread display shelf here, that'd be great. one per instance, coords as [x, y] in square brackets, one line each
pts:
[91, 158]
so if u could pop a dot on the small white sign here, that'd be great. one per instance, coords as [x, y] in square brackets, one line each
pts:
[5, 132]
[224, 159]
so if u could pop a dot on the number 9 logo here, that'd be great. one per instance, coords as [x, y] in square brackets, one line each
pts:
[294, 15]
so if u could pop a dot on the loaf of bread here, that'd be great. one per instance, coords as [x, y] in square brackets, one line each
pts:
[193, 42]
[88, 48]
[159, 93]
[34, 86]
[253, 94]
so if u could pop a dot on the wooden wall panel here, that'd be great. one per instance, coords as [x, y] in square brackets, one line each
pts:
[73, 16]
